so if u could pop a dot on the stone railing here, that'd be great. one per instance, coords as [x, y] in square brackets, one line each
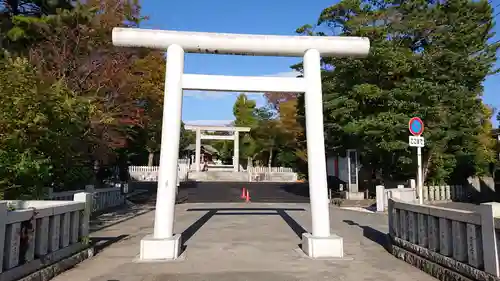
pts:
[444, 193]
[102, 198]
[446, 243]
[35, 234]
[431, 194]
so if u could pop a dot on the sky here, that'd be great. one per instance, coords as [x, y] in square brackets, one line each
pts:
[274, 17]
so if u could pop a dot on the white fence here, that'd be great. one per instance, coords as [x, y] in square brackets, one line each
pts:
[272, 177]
[150, 173]
[431, 194]
[102, 198]
[34, 234]
[269, 170]
[447, 242]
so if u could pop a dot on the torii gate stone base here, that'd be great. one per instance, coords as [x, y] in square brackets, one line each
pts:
[164, 244]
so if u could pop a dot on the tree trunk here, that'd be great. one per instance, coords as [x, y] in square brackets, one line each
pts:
[426, 164]
[151, 157]
[269, 162]
[97, 168]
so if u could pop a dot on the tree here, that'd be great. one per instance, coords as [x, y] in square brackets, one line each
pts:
[292, 151]
[244, 114]
[268, 135]
[187, 138]
[424, 61]
[275, 100]
[16, 17]
[225, 150]
[39, 122]
[68, 43]
[244, 111]
[74, 45]
[147, 76]
[272, 136]
[486, 156]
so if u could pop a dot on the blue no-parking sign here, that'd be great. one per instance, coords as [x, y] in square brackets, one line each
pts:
[416, 126]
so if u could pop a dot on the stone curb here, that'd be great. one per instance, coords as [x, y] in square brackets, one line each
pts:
[59, 267]
[66, 263]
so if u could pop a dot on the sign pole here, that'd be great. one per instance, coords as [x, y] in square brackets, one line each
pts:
[420, 185]
[416, 127]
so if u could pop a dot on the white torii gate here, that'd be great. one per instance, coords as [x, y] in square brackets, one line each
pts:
[163, 244]
[235, 137]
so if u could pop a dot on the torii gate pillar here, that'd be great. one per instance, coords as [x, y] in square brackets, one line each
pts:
[320, 243]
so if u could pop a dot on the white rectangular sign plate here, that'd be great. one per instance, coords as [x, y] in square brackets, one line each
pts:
[415, 141]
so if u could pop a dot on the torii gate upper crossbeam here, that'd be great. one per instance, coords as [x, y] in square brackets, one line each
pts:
[242, 44]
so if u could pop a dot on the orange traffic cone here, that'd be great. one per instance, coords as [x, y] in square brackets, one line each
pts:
[247, 197]
[243, 193]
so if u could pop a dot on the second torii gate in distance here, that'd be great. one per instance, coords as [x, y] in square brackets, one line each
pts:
[235, 137]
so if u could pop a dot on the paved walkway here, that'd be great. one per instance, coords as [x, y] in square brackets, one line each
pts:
[240, 243]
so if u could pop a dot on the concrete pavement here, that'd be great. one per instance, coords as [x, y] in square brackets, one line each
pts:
[238, 241]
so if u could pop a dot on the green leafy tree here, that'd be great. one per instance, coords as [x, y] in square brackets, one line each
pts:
[244, 111]
[187, 138]
[147, 77]
[43, 134]
[292, 150]
[267, 134]
[244, 114]
[225, 150]
[427, 59]
[17, 16]
[69, 44]
[272, 128]
[74, 45]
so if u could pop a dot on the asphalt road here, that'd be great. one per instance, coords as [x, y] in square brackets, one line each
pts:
[231, 192]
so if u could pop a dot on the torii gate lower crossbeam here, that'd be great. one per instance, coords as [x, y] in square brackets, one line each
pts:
[164, 245]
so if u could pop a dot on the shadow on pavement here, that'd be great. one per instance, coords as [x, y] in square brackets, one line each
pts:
[115, 217]
[100, 243]
[292, 223]
[189, 232]
[135, 205]
[193, 228]
[374, 235]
